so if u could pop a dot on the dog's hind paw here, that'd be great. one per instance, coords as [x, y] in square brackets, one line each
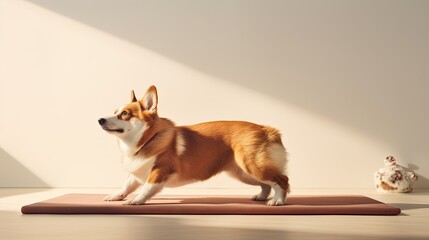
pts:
[259, 197]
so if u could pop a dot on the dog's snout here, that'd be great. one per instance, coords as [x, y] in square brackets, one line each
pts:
[101, 121]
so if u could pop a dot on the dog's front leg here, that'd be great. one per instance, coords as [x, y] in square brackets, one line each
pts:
[148, 190]
[130, 186]
[153, 185]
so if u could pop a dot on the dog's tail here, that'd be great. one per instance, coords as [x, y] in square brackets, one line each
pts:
[273, 135]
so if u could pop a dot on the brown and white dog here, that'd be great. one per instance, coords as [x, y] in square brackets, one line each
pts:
[159, 154]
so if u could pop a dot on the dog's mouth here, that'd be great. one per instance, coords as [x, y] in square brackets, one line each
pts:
[119, 130]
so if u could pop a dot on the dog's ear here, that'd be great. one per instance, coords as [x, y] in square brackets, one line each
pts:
[133, 96]
[150, 99]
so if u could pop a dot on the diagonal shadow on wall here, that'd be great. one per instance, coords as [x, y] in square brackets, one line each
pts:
[13, 174]
[359, 66]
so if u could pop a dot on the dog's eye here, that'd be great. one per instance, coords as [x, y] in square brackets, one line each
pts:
[124, 113]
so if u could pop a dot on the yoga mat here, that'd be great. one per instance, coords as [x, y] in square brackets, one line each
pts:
[218, 205]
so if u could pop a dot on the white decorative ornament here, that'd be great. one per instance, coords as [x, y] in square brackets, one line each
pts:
[394, 178]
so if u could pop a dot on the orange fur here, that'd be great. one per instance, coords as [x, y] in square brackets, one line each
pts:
[211, 147]
[252, 153]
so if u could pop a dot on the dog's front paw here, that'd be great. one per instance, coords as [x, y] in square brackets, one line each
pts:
[275, 202]
[114, 197]
[136, 201]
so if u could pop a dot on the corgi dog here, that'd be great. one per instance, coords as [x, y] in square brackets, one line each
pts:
[159, 154]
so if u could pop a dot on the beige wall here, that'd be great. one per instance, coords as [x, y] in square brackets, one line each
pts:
[345, 81]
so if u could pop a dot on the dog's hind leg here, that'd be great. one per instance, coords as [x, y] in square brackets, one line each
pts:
[240, 175]
[280, 184]
[268, 174]
[263, 195]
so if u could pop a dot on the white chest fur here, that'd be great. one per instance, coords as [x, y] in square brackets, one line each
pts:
[138, 166]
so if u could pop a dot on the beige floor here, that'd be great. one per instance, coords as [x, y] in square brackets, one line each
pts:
[413, 223]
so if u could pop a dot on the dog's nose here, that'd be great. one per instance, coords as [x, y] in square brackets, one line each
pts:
[101, 121]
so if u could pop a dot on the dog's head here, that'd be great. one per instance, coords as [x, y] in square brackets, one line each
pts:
[132, 119]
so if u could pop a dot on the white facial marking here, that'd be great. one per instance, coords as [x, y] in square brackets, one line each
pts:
[112, 122]
[180, 144]
[121, 109]
[128, 132]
